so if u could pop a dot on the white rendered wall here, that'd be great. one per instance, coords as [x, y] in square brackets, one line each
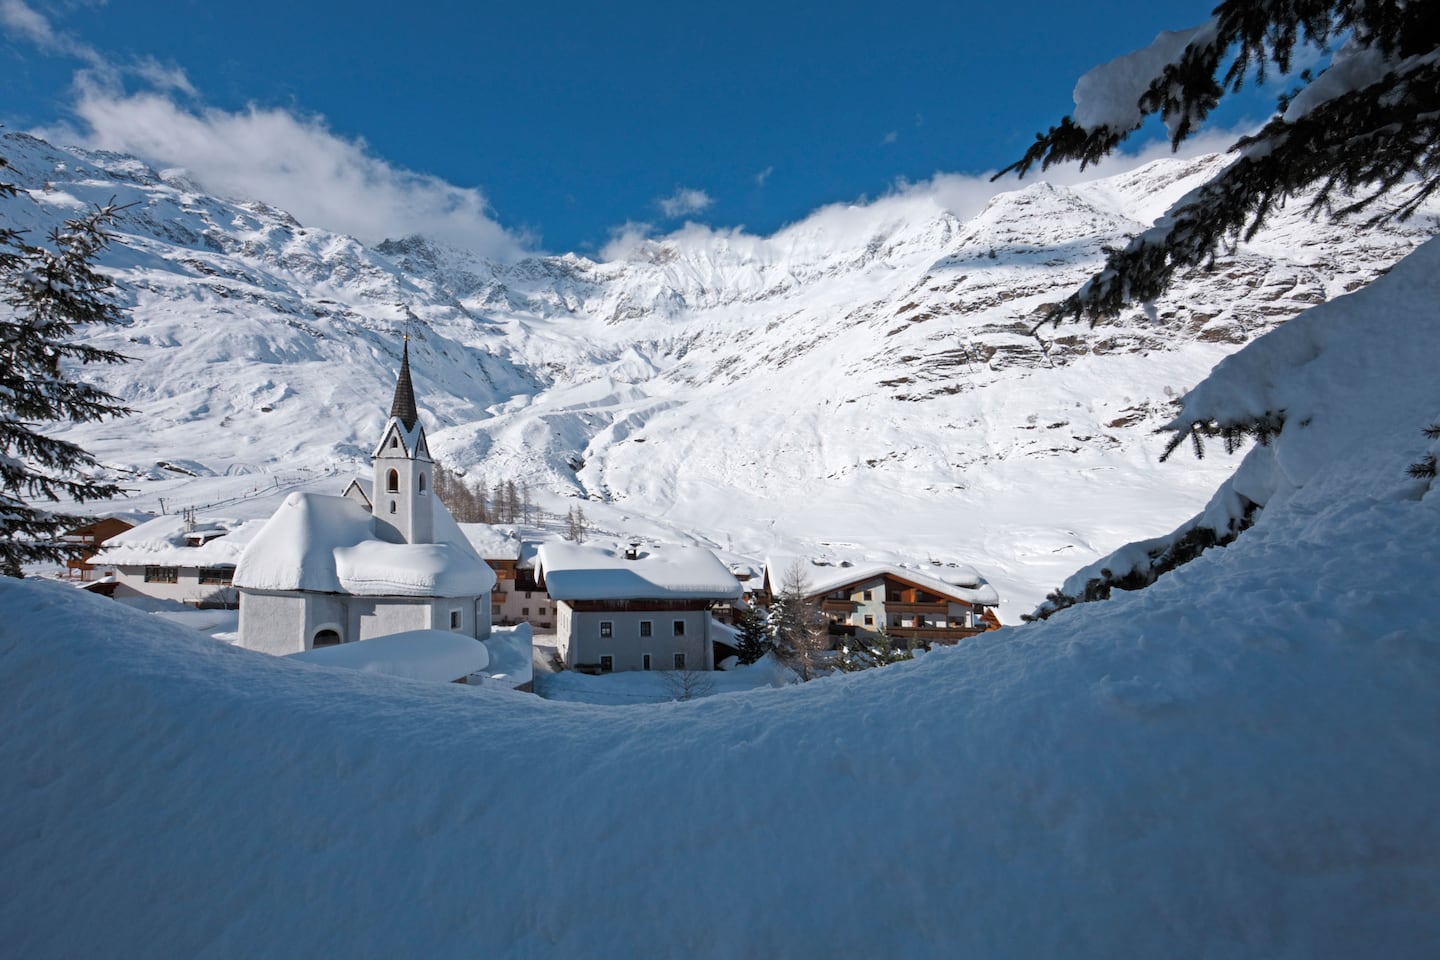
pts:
[627, 646]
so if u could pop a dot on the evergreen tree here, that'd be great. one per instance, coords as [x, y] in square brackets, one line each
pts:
[50, 292]
[1365, 125]
[754, 640]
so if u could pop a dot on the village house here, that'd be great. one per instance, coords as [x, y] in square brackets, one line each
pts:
[634, 608]
[517, 597]
[178, 557]
[383, 558]
[942, 604]
[90, 537]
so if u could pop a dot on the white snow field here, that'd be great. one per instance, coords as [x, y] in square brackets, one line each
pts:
[1240, 761]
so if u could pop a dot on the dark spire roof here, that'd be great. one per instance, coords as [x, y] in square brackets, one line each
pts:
[403, 406]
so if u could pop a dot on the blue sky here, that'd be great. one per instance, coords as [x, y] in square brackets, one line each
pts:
[553, 124]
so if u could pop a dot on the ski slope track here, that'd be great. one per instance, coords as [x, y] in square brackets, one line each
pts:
[860, 385]
[1239, 761]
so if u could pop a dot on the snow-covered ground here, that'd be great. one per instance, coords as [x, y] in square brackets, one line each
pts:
[1240, 761]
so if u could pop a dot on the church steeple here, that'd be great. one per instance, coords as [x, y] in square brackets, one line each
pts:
[402, 490]
[402, 407]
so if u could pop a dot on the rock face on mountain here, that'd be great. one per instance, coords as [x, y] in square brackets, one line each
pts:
[865, 377]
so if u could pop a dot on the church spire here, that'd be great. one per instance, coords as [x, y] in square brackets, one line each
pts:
[403, 406]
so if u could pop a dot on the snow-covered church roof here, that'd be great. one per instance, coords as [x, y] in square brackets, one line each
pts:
[328, 544]
[573, 572]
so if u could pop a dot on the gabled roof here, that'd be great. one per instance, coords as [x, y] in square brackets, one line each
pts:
[162, 541]
[325, 544]
[574, 572]
[412, 440]
[959, 582]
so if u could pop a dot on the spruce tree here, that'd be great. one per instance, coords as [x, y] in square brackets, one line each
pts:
[754, 639]
[1367, 124]
[51, 291]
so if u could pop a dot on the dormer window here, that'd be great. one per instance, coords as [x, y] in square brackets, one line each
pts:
[392, 482]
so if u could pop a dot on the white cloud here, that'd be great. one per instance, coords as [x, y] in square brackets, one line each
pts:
[764, 175]
[287, 160]
[624, 240]
[890, 137]
[684, 201]
[24, 22]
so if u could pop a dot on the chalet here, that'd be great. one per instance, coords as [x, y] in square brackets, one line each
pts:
[941, 604]
[90, 538]
[178, 557]
[517, 597]
[383, 558]
[635, 608]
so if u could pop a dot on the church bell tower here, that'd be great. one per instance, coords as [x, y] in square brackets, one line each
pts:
[404, 474]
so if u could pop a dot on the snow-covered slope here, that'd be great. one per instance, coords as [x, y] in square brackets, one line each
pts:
[1239, 761]
[861, 383]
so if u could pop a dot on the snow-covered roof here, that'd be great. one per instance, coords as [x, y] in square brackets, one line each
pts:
[162, 542]
[959, 582]
[574, 572]
[417, 654]
[492, 542]
[327, 544]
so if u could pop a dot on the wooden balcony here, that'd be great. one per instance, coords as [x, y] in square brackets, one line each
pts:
[832, 605]
[933, 634]
[917, 609]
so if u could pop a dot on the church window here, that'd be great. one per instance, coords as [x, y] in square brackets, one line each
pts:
[454, 619]
[394, 441]
[392, 506]
[392, 482]
[422, 484]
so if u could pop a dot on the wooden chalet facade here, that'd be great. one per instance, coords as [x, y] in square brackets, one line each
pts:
[912, 609]
[88, 540]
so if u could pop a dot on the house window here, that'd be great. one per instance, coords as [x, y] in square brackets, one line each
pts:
[644, 628]
[162, 574]
[422, 485]
[679, 628]
[527, 594]
[454, 619]
[869, 594]
[607, 663]
[525, 612]
[494, 609]
[869, 620]
[679, 661]
[542, 611]
[217, 575]
[607, 629]
[392, 481]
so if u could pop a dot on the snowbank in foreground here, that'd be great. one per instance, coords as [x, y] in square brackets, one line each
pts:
[1238, 761]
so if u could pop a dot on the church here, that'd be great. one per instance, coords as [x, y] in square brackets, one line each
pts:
[384, 557]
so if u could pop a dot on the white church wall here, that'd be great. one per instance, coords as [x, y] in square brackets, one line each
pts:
[272, 623]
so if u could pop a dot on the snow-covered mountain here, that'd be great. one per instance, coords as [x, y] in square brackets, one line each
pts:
[863, 382]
